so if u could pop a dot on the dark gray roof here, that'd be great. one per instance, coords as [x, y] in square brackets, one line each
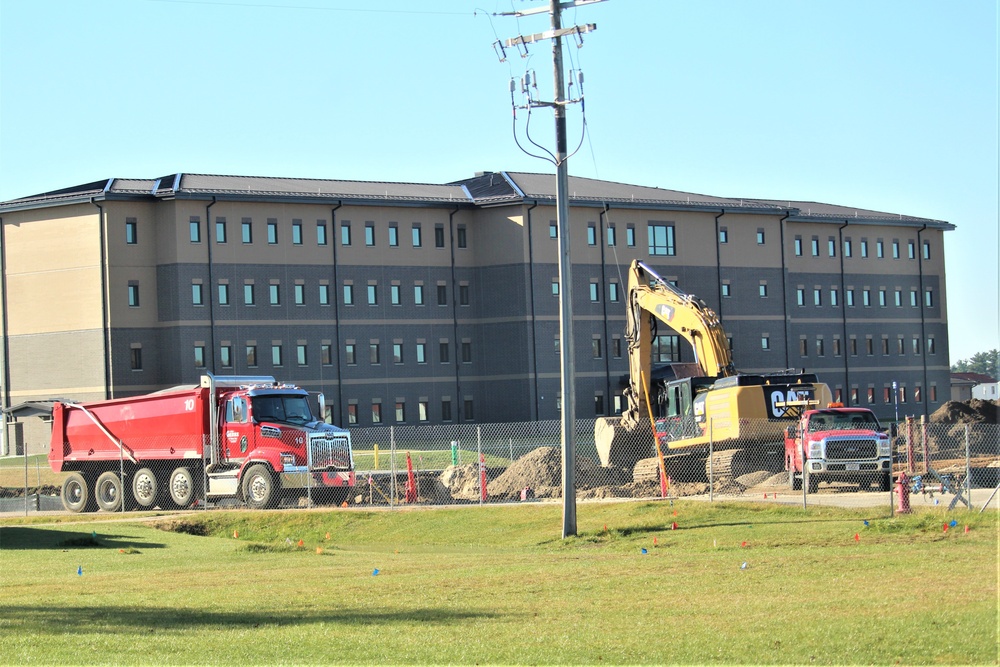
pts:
[483, 190]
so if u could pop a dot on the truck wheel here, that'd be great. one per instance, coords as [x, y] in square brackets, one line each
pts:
[145, 488]
[183, 487]
[813, 484]
[258, 487]
[108, 491]
[794, 480]
[885, 482]
[76, 494]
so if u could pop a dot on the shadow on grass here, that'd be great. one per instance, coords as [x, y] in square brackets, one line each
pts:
[29, 537]
[118, 619]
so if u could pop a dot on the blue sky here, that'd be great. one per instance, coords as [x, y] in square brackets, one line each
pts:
[887, 105]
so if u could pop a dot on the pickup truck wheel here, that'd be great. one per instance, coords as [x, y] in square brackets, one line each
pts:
[794, 480]
[145, 488]
[813, 484]
[108, 491]
[259, 487]
[77, 495]
[183, 487]
[885, 481]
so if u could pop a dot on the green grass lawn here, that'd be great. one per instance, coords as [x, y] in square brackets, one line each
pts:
[488, 585]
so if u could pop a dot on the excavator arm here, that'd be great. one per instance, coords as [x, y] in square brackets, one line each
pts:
[651, 299]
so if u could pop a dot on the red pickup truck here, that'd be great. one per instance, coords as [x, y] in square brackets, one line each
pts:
[838, 444]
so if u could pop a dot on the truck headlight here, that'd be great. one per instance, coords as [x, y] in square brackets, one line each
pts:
[884, 448]
[288, 459]
[815, 449]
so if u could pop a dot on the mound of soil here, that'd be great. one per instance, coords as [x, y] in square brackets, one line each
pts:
[975, 411]
[541, 471]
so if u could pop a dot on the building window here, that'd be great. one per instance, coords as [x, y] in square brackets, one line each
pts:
[462, 240]
[930, 346]
[933, 393]
[927, 249]
[300, 294]
[847, 248]
[417, 239]
[135, 358]
[834, 301]
[895, 249]
[871, 395]
[400, 412]
[555, 287]
[394, 295]
[723, 235]
[272, 232]
[348, 294]
[320, 233]
[595, 292]
[300, 354]
[760, 236]
[370, 234]
[423, 410]
[911, 250]
[612, 238]
[596, 348]
[854, 396]
[418, 295]
[820, 347]
[854, 347]
[246, 229]
[800, 296]
[421, 353]
[372, 295]
[443, 351]
[929, 299]
[296, 232]
[591, 234]
[276, 355]
[817, 297]
[881, 298]
[397, 353]
[376, 413]
[352, 413]
[374, 357]
[469, 415]
[598, 404]
[345, 233]
[765, 342]
[553, 230]
[666, 349]
[274, 294]
[466, 352]
[885, 346]
[220, 230]
[438, 236]
[898, 295]
[350, 354]
[199, 356]
[324, 294]
[223, 294]
[815, 246]
[900, 346]
[661, 240]
[195, 229]
[798, 246]
[133, 295]
[197, 296]
[831, 247]
[630, 235]
[762, 290]
[463, 295]
[880, 248]
[914, 299]
[866, 298]
[252, 356]
[445, 410]
[616, 347]
[248, 296]
[803, 347]
[864, 248]
[869, 346]
[326, 354]
[393, 235]
[131, 232]
[726, 290]
[614, 292]
[442, 295]
[916, 346]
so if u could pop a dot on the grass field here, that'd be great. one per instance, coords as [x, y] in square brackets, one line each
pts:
[489, 585]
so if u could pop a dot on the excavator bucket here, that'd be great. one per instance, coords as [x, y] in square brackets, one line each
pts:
[619, 447]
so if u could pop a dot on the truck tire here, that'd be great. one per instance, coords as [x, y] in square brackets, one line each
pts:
[259, 487]
[145, 488]
[813, 484]
[182, 487]
[794, 480]
[108, 491]
[885, 482]
[77, 496]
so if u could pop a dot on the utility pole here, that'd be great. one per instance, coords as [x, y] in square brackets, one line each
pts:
[560, 158]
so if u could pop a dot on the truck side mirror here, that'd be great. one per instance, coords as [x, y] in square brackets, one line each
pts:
[321, 400]
[893, 429]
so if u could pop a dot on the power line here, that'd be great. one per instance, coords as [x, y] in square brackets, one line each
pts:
[358, 10]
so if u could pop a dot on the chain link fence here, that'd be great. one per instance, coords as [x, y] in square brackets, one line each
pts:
[840, 461]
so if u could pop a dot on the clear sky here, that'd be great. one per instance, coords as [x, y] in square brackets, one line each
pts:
[889, 105]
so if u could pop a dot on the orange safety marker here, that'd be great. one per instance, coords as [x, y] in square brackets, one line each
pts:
[605, 528]
[319, 550]
[673, 526]
[857, 537]
[301, 543]
[328, 536]
[236, 534]
[946, 528]
[743, 544]
[654, 541]
[966, 530]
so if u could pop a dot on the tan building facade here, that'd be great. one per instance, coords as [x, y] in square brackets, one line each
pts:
[425, 303]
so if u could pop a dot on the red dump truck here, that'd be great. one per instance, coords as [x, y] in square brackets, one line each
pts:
[248, 438]
[838, 444]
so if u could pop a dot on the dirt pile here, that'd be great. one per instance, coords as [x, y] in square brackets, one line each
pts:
[975, 411]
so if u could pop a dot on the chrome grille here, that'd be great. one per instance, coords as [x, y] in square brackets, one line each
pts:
[851, 449]
[330, 451]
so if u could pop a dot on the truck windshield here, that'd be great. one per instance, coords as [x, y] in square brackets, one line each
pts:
[289, 409]
[843, 422]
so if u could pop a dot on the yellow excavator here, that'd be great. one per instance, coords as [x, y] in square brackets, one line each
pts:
[702, 407]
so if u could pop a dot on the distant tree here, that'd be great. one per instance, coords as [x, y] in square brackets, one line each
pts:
[981, 362]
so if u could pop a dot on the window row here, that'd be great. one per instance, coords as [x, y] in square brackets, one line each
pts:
[902, 395]
[885, 346]
[863, 248]
[400, 412]
[661, 236]
[833, 297]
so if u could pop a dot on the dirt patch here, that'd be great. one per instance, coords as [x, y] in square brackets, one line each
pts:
[975, 411]
[53, 491]
[181, 526]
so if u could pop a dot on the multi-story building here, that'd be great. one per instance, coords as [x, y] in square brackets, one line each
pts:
[421, 303]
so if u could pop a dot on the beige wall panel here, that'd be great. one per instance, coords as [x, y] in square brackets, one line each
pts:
[55, 238]
[742, 250]
[499, 236]
[141, 253]
[66, 365]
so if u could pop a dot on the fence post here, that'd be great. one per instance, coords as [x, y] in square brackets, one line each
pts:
[805, 465]
[711, 462]
[479, 459]
[392, 466]
[968, 470]
[24, 451]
